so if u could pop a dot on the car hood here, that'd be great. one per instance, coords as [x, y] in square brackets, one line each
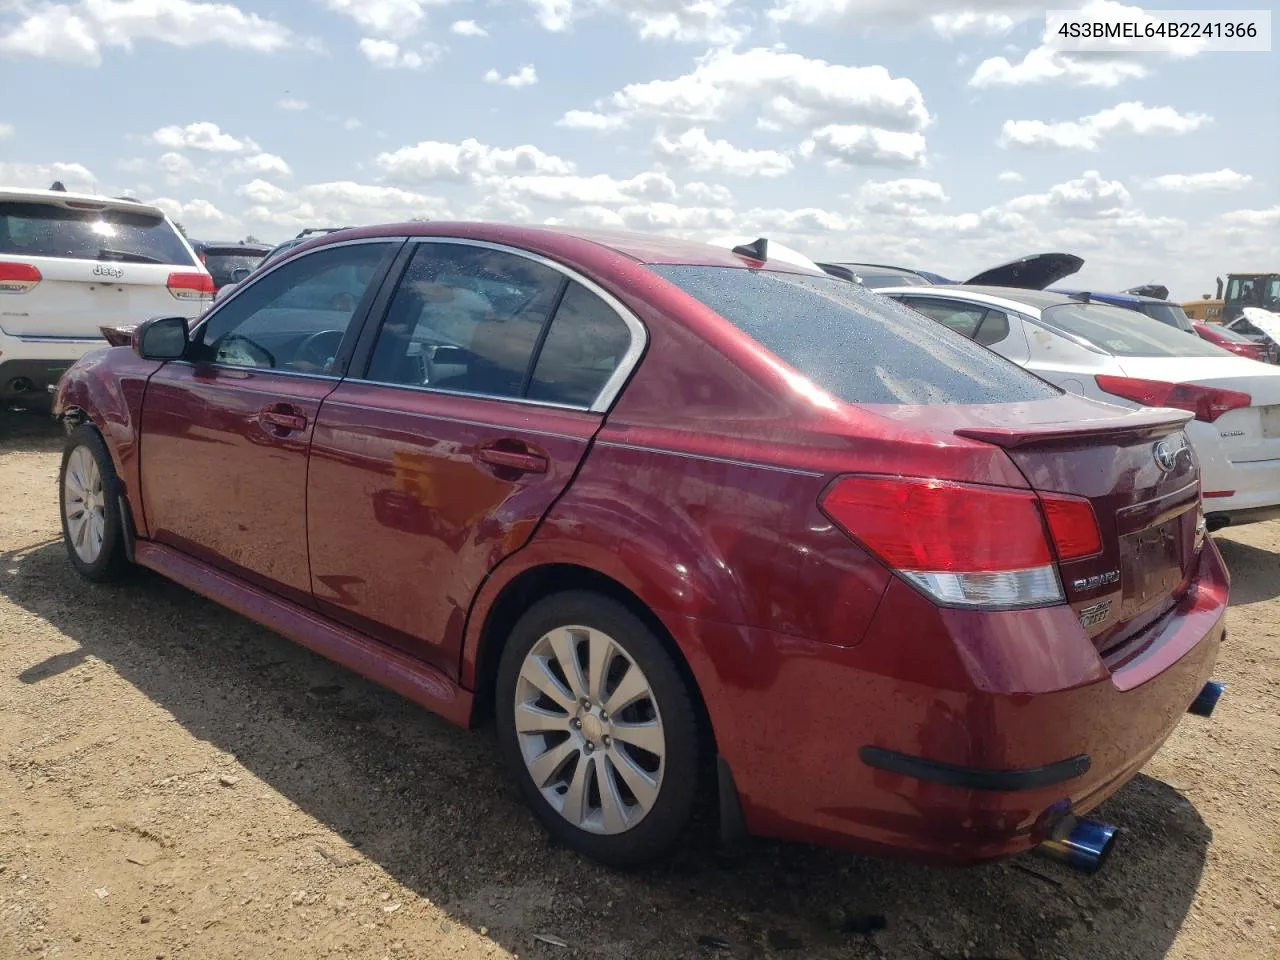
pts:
[1264, 320]
[1035, 272]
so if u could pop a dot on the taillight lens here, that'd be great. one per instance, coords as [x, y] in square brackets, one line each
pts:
[191, 286]
[18, 277]
[1207, 403]
[966, 544]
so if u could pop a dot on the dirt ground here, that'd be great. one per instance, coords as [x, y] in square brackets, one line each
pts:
[178, 782]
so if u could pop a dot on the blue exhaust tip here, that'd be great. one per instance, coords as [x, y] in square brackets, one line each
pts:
[1085, 848]
[1207, 699]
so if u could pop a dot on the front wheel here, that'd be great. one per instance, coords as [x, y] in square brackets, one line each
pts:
[92, 526]
[598, 728]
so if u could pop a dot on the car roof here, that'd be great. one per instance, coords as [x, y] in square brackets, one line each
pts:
[882, 267]
[61, 198]
[1039, 299]
[560, 240]
[231, 245]
[1115, 297]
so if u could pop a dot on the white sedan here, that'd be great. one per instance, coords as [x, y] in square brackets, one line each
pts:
[1126, 358]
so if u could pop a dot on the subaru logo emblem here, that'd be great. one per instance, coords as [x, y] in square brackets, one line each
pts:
[1166, 452]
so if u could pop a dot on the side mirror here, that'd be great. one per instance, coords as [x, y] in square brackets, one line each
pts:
[161, 338]
[239, 274]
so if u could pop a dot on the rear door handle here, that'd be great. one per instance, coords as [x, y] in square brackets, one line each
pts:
[524, 461]
[283, 417]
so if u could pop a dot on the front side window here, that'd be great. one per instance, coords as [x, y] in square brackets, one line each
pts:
[465, 319]
[295, 317]
[859, 346]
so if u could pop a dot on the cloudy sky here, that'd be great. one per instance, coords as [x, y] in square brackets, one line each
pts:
[898, 131]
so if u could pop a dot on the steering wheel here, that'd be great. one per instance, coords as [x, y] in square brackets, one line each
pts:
[319, 348]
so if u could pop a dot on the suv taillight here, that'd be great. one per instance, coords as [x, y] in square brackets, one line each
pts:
[1207, 403]
[966, 544]
[18, 277]
[191, 286]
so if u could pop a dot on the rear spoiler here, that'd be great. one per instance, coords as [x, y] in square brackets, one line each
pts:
[73, 201]
[1149, 423]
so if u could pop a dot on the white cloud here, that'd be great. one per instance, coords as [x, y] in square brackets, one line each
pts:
[468, 28]
[996, 16]
[394, 18]
[1009, 176]
[951, 25]
[39, 176]
[587, 120]
[526, 76]
[263, 164]
[1131, 118]
[1218, 180]
[351, 123]
[388, 55]
[601, 189]
[707, 193]
[261, 192]
[78, 32]
[1269, 217]
[292, 103]
[1089, 197]
[858, 146]
[903, 197]
[695, 149]
[204, 136]
[787, 90]
[335, 202]
[193, 215]
[682, 20]
[1045, 63]
[6, 130]
[466, 161]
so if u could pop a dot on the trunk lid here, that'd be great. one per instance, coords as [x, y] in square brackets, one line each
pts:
[1138, 472]
[1036, 272]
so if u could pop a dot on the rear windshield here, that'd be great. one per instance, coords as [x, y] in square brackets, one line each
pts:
[856, 345]
[45, 230]
[1226, 333]
[1126, 333]
[1169, 314]
[877, 280]
[222, 264]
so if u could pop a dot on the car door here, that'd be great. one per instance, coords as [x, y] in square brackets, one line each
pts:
[989, 326]
[224, 434]
[485, 382]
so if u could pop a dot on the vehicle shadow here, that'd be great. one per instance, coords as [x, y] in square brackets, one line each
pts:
[1255, 572]
[429, 804]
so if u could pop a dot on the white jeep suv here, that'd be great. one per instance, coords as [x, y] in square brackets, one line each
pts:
[72, 263]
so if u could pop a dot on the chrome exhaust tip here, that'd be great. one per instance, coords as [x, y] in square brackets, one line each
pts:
[1082, 845]
[1207, 699]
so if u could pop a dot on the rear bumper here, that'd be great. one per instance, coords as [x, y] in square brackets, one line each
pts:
[949, 736]
[29, 365]
[1252, 489]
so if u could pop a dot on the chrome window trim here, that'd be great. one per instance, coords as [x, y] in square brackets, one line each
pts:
[626, 365]
[249, 282]
[427, 388]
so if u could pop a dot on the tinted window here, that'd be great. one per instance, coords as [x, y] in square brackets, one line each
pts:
[1226, 333]
[221, 265]
[986, 326]
[294, 318]
[857, 345]
[878, 280]
[585, 344]
[45, 230]
[1126, 333]
[465, 319]
[1169, 314]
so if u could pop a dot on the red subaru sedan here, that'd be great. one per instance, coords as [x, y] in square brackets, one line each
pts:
[680, 519]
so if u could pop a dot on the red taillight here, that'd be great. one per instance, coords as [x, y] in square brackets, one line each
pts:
[1072, 525]
[18, 277]
[1207, 403]
[191, 286]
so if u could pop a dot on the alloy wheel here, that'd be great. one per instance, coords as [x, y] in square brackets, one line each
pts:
[84, 504]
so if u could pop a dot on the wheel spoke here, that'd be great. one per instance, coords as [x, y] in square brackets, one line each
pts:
[564, 643]
[631, 688]
[638, 781]
[647, 736]
[600, 652]
[537, 672]
[532, 719]
[545, 767]
[574, 808]
[612, 809]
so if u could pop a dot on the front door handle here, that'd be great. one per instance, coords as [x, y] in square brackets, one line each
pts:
[282, 417]
[521, 461]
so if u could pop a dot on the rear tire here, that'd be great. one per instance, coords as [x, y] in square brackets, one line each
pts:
[598, 729]
[92, 526]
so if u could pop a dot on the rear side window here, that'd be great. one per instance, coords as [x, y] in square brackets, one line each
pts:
[985, 325]
[856, 345]
[1169, 314]
[585, 344]
[1126, 333]
[46, 230]
[222, 264]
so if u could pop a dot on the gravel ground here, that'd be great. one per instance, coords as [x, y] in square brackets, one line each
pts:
[178, 782]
